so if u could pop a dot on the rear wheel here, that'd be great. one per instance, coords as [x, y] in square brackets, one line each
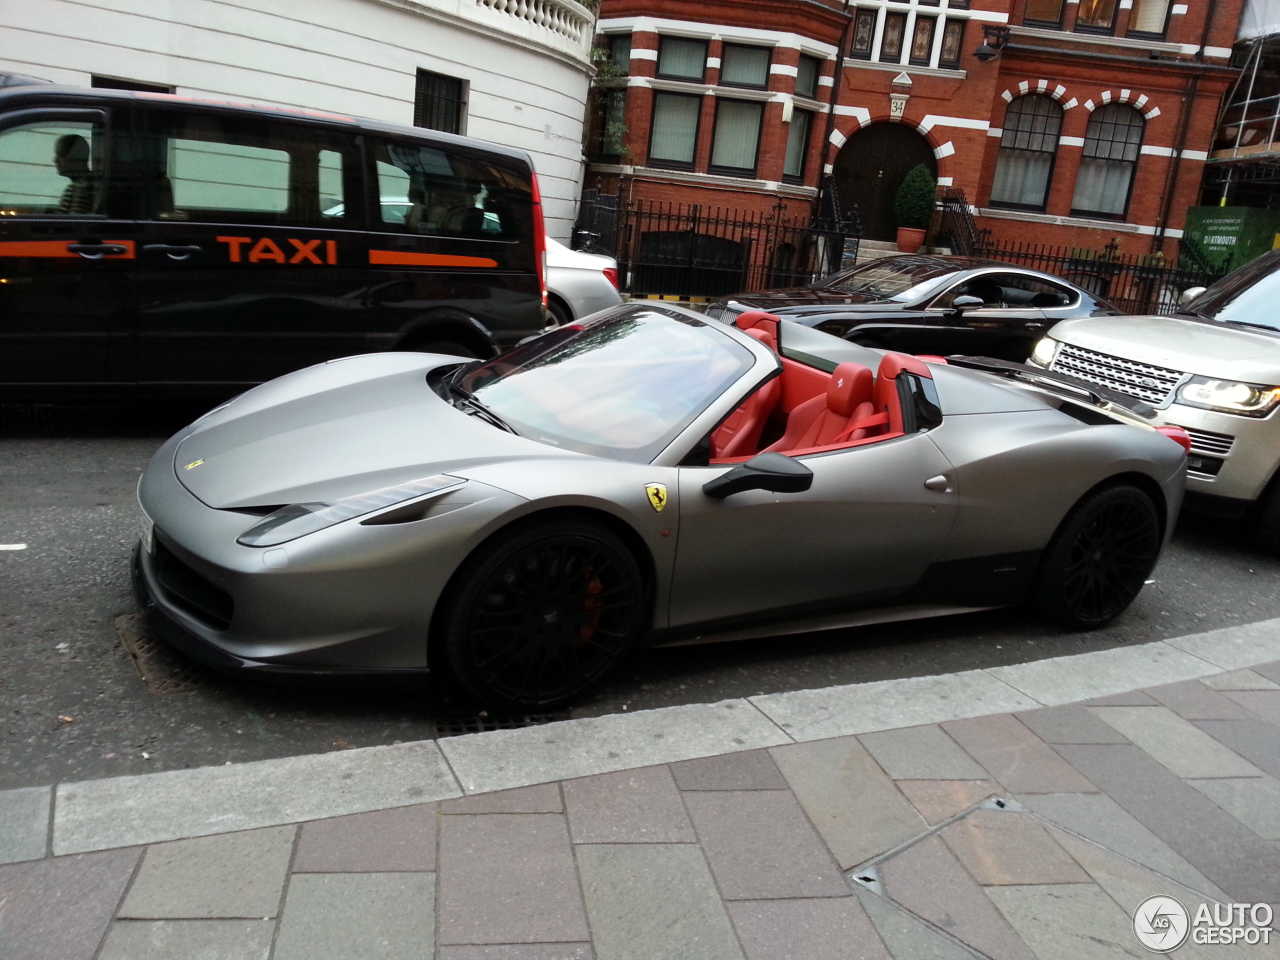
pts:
[1099, 558]
[542, 614]
[560, 314]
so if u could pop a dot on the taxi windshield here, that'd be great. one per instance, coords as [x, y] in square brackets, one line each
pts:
[622, 386]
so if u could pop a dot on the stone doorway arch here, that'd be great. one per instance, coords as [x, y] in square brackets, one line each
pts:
[869, 169]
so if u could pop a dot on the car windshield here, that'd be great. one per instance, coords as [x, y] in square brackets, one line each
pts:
[1247, 296]
[623, 386]
[891, 279]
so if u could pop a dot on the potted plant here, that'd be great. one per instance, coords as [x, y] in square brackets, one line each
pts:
[917, 196]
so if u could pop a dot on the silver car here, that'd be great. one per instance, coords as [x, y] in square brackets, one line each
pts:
[650, 477]
[1214, 369]
[579, 284]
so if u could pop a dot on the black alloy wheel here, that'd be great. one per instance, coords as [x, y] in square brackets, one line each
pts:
[1099, 559]
[452, 347]
[542, 614]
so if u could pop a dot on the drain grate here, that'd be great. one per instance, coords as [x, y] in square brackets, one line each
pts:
[161, 670]
[483, 723]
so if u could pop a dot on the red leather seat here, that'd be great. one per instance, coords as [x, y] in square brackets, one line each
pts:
[833, 417]
[886, 397]
[739, 435]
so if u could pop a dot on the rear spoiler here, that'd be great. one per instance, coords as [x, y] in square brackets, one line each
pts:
[1057, 383]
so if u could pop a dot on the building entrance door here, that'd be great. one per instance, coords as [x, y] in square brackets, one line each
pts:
[871, 166]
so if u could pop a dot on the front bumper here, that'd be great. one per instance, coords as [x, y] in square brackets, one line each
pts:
[1231, 457]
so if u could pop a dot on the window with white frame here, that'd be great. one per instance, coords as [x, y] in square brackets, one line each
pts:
[910, 33]
[742, 66]
[680, 58]
[673, 136]
[797, 145]
[807, 74]
[736, 141]
[1027, 150]
[1111, 146]
[1149, 16]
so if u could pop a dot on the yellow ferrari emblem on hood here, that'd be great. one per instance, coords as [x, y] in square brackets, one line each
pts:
[657, 495]
[193, 464]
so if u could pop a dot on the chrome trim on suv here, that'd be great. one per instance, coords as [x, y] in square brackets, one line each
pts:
[1145, 381]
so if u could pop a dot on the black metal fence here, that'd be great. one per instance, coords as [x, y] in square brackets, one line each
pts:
[1136, 283]
[695, 250]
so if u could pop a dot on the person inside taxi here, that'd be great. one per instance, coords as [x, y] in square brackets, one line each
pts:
[71, 160]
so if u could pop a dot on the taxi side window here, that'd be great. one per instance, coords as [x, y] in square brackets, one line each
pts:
[52, 168]
[227, 169]
[425, 190]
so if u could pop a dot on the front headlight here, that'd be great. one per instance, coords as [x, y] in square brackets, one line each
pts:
[1045, 350]
[1229, 396]
[299, 519]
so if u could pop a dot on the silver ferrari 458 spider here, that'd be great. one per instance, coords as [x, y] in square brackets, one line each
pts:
[648, 477]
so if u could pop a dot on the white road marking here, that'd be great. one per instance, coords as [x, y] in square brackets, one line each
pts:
[13, 546]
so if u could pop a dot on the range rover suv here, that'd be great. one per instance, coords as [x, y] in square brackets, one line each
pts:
[1213, 369]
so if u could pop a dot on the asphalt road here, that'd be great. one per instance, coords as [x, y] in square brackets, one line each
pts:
[73, 705]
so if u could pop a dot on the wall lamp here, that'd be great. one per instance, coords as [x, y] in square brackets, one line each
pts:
[994, 37]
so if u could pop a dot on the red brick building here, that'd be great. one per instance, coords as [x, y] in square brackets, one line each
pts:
[1084, 119]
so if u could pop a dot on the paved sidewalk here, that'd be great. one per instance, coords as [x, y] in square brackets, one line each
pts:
[1018, 813]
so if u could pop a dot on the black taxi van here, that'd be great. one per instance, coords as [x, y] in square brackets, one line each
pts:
[156, 242]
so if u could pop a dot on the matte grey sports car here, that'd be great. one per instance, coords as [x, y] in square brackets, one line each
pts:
[649, 477]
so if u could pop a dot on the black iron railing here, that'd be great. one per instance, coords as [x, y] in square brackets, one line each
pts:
[698, 250]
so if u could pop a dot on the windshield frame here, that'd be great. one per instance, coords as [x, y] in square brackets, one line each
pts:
[494, 383]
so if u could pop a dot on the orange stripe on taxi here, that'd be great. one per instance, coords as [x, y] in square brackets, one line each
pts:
[399, 258]
[58, 248]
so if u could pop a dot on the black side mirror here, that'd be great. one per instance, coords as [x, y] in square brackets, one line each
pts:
[774, 472]
[965, 302]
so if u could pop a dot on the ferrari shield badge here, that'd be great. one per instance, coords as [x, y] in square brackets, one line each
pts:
[657, 495]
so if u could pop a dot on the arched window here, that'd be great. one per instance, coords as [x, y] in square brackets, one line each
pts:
[1027, 148]
[1111, 146]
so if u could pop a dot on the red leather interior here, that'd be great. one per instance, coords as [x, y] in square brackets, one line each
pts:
[849, 407]
[886, 392]
[739, 434]
[828, 416]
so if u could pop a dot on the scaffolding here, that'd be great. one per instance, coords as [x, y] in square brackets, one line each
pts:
[1246, 148]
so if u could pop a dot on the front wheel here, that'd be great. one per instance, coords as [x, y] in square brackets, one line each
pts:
[1099, 558]
[452, 347]
[543, 613]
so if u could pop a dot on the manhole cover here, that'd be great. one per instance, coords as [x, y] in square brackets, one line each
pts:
[482, 723]
[161, 669]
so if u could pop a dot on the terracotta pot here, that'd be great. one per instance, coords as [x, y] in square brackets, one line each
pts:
[910, 239]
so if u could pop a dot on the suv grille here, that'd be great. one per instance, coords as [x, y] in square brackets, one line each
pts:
[1142, 380]
[1214, 444]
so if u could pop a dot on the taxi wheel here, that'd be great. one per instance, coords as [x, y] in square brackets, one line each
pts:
[543, 613]
[1099, 559]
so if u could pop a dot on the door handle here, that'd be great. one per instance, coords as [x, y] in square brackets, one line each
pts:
[174, 251]
[1033, 325]
[96, 251]
[939, 484]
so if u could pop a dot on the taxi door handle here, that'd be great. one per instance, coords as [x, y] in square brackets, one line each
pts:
[174, 251]
[96, 251]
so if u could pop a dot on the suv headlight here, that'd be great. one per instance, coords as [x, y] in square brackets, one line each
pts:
[1045, 350]
[299, 519]
[1229, 396]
